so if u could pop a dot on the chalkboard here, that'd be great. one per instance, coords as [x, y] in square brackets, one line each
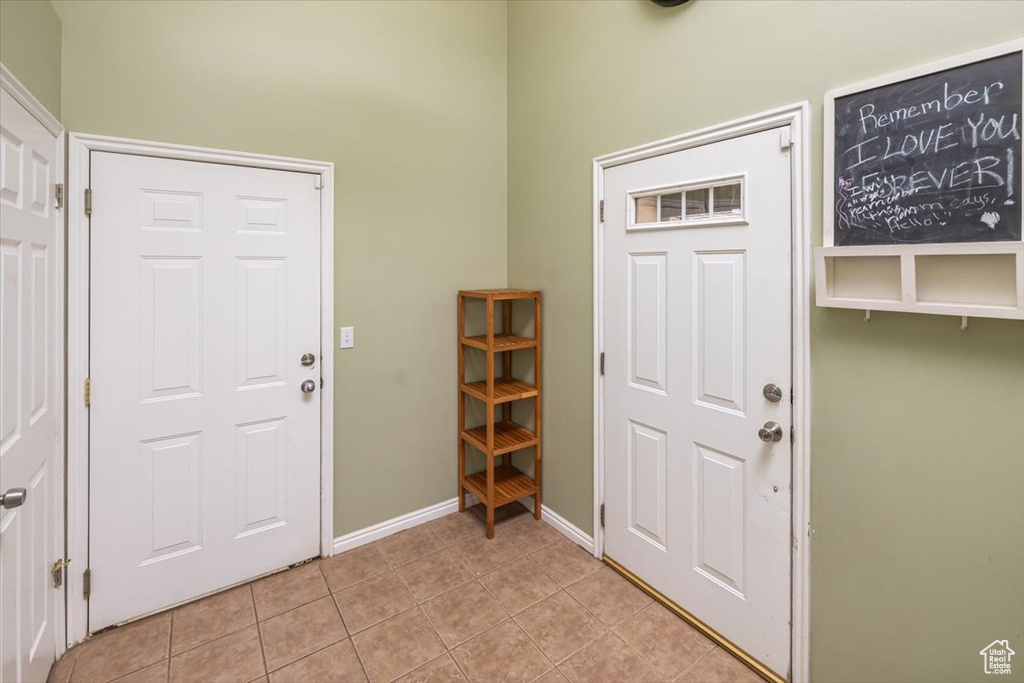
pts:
[931, 159]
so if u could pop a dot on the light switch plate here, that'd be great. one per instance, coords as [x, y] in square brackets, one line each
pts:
[348, 337]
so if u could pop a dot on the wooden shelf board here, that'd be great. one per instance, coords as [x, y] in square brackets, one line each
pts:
[510, 485]
[500, 294]
[505, 390]
[502, 342]
[508, 437]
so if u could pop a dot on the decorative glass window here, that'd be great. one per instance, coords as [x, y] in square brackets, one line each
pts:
[715, 202]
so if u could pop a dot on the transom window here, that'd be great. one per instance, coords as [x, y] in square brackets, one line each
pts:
[716, 201]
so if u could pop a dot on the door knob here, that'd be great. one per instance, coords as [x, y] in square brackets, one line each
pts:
[13, 498]
[308, 387]
[307, 359]
[771, 431]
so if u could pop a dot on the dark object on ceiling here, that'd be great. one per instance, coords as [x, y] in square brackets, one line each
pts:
[670, 3]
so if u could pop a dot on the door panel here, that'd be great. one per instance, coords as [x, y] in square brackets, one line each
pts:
[696, 321]
[648, 470]
[31, 536]
[647, 320]
[204, 452]
[719, 339]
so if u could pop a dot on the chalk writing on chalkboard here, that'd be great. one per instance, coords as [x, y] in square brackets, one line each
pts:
[931, 159]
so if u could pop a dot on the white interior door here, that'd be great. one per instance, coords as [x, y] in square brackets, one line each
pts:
[204, 445]
[697, 321]
[31, 519]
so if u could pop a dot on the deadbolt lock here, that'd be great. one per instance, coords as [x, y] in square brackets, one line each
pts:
[57, 570]
[307, 359]
[772, 392]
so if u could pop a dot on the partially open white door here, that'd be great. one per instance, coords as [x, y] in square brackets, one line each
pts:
[31, 404]
[205, 407]
[697, 334]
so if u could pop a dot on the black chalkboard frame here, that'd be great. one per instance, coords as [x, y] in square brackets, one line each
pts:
[828, 184]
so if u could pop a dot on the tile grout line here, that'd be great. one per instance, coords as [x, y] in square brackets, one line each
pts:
[71, 674]
[145, 666]
[526, 555]
[565, 590]
[458, 666]
[405, 583]
[695, 663]
[571, 654]
[170, 645]
[259, 631]
[331, 593]
[347, 636]
[359, 658]
[486, 592]
[554, 664]
[310, 654]
[611, 629]
[419, 604]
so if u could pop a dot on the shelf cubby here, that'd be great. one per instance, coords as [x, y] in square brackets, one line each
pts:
[982, 280]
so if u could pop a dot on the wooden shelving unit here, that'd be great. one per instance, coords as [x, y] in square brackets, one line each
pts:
[499, 483]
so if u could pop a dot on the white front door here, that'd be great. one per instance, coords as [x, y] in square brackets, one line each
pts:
[204, 445]
[697, 322]
[31, 520]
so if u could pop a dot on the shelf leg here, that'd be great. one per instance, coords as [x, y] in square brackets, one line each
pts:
[506, 363]
[490, 497]
[537, 415]
[462, 472]
[462, 405]
[490, 418]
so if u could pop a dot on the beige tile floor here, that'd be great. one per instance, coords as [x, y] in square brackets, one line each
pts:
[438, 602]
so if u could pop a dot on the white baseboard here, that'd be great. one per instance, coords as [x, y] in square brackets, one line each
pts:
[563, 526]
[424, 515]
[393, 526]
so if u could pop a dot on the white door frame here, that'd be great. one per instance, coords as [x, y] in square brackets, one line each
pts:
[24, 97]
[797, 116]
[80, 145]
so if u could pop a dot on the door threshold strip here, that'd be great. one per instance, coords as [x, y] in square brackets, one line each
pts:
[720, 640]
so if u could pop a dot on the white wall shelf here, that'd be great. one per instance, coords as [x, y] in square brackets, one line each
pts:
[978, 280]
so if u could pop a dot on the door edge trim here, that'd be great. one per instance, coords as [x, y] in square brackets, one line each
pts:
[750, 661]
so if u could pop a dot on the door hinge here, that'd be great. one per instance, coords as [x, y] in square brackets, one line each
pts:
[792, 435]
[602, 362]
[88, 201]
[602, 515]
[318, 182]
[601, 210]
[88, 391]
[785, 138]
[58, 195]
[57, 570]
[87, 583]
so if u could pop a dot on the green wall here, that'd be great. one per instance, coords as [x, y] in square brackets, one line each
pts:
[918, 427]
[918, 443]
[408, 101]
[30, 48]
